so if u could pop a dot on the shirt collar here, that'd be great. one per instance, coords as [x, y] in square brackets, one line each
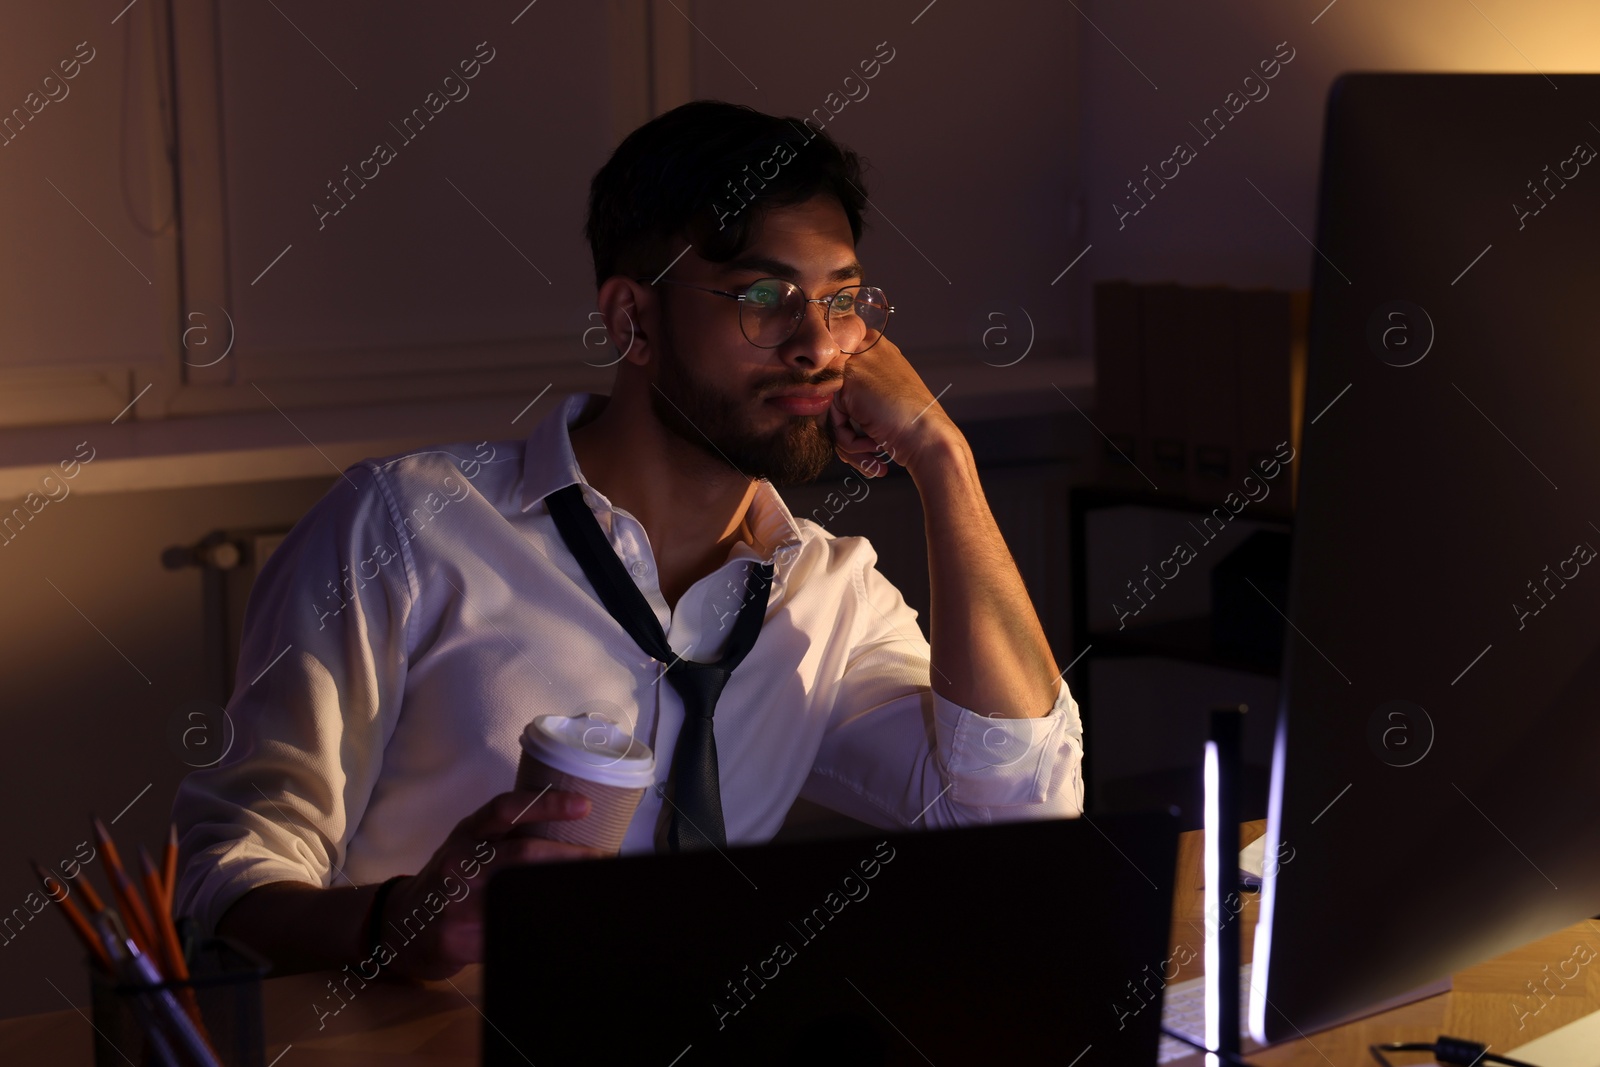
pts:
[549, 464]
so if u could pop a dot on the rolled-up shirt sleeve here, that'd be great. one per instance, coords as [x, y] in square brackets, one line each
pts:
[322, 669]
[897, 754]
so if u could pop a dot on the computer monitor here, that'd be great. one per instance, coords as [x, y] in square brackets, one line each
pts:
[1434, 798]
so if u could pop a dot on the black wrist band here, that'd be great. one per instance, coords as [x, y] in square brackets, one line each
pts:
[375, 915]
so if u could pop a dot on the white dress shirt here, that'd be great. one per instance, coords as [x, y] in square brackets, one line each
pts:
[418, 616]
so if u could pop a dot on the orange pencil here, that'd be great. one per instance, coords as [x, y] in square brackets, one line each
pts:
[90, 897]
[135, 917]
[169, 865]
[167, 938]
[75, 918]
[167, 954]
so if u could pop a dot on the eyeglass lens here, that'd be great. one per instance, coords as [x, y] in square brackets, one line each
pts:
[772, 310]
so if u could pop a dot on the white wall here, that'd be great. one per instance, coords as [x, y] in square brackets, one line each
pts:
[1208, 225]
[970, 136]
[101, 648]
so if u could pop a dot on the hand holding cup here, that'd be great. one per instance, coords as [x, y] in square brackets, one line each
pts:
[445, 899]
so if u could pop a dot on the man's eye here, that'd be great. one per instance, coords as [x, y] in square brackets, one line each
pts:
[844, 302]
[762, 296]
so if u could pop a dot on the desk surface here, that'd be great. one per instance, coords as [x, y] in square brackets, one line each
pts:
[1486, 1003]
[438, 1023]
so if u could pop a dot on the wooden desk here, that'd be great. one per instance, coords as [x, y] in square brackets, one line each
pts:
[438, 1023]
[1485, 1004]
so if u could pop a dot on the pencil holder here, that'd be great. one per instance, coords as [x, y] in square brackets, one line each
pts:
[225, 977]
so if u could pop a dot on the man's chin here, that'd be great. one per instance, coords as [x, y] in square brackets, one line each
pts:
[795, 455]
[783, 448]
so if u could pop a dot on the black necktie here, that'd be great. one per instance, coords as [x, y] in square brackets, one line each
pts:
[696, 818]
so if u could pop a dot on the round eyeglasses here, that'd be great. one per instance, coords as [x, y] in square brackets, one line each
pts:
[770, 311]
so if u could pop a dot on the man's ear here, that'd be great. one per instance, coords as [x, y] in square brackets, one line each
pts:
[629, 311]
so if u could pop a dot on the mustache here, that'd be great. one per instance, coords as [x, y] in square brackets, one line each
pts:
[768, 388]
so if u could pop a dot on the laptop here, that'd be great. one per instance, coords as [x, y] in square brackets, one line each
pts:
[1023, 942]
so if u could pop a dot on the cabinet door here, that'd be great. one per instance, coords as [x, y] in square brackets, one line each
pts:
[88, 264]
[404, 192]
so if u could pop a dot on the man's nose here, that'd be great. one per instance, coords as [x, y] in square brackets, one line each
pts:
[812, 344]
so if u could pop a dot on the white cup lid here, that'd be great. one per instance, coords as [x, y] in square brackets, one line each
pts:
[591, 747]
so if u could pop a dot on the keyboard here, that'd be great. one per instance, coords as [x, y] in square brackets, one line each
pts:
[1183, 1008]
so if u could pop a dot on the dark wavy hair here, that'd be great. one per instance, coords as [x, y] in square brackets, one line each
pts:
[701, 171]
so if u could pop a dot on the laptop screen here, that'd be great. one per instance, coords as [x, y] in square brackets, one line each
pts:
[1021, 942]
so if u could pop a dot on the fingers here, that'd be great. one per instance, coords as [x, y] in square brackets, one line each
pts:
[517, 851]
[866, 468]
[844, 427]
[847, 437]
[508, 810]
[865, 457]
[851, 444]
[496, 835]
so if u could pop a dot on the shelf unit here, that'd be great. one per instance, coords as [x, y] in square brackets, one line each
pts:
[1185, 640]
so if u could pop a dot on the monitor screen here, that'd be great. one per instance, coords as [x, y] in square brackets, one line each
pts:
[1439, 720]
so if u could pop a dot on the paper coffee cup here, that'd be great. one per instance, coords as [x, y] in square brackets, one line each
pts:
[592, 756]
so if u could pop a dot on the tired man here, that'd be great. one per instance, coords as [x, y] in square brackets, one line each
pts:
[430, 606]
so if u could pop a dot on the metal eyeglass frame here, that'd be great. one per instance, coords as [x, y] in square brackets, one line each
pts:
[825, 301]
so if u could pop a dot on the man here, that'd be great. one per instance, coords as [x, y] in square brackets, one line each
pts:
[429, 607]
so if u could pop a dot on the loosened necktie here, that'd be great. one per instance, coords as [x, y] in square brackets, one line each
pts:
[696, 819]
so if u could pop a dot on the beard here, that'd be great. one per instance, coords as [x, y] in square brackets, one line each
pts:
[722, 426]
